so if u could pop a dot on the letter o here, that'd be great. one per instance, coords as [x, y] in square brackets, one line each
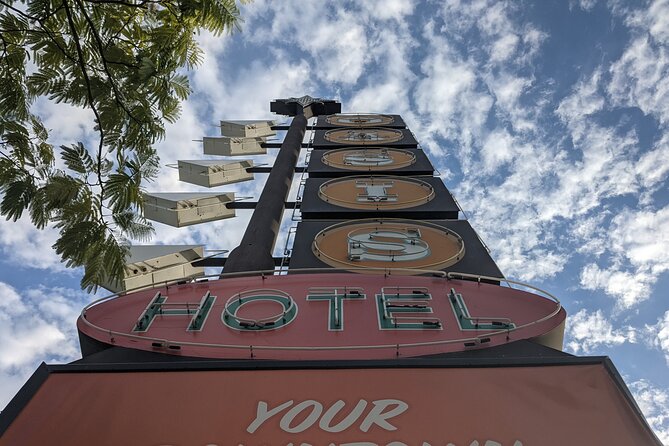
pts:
[316, 410]
[229, 314]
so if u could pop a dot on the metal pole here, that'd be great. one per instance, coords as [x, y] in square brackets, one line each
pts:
[254, 253]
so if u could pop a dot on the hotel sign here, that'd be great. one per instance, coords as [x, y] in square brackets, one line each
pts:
[346, 316]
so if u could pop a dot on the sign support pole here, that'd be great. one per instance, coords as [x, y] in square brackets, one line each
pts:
[254, 253]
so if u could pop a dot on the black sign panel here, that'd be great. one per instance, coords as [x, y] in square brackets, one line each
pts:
[434, 201]
[476, 259]
[360, 160]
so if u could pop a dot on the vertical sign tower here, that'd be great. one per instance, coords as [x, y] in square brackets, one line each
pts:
[390, 325]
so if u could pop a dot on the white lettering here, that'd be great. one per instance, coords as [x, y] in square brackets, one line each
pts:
[380, 412]
[378, 417]
[262, 414]
[317, 409]
[344, 424]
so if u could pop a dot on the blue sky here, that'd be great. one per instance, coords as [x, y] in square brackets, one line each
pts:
[548, 120]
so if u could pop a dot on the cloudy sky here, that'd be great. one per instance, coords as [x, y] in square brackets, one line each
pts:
[548, 120]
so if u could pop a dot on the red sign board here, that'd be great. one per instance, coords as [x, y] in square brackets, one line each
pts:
[346, 316]
[508, 406]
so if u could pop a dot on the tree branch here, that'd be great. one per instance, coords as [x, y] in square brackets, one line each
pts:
[4, 59]
[41, 23]
[82, 66]
[18, 11]
[18, 166]
[116, 35]
[110, 77]
[141, 5]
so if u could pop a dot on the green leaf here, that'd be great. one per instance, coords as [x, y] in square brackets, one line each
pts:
[17, 196]
[77, 158]
[124, 63]
[136, 226]
[121, 190]
[180, 85]
[40, 213]
[61, 190]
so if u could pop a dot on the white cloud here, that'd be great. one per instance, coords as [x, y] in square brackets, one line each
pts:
[643, 237]
[396, 10]
[658, 335]
[587, 5]
[509, 171]
[504, 48]
[508, 89]
[540, 186]
[652, 168]
[450, 97]
[658, 15]
[379, 97]
[611, 166]
[498, 149]
[654, 20]
[590, 234]
[335, 38]
[340, 48]
[488, 16]
[245, 94]
[587, 332]
[35, 325]
[585, 100]
[654, 403]
[640, 240]
[605, 169]
[508, 212]
[77, 127]
[530, 264]
[25, 245]
[533, 38]
[640, 78]
[386, 88]
[502, 35]
[627, 288]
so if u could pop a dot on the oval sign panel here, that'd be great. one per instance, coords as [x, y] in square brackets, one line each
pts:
[376, 192]
[359, 120]
[369, 158]
[364, 136]
[322, 316]
[369, 244]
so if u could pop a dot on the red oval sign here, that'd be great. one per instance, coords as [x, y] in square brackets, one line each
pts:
[322, 316]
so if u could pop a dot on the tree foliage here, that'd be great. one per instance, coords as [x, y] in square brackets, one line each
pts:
[123, 60]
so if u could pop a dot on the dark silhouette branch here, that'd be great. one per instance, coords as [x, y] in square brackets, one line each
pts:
[91, 100]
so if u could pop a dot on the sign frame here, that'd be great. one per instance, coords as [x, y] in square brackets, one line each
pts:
[39, 379]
